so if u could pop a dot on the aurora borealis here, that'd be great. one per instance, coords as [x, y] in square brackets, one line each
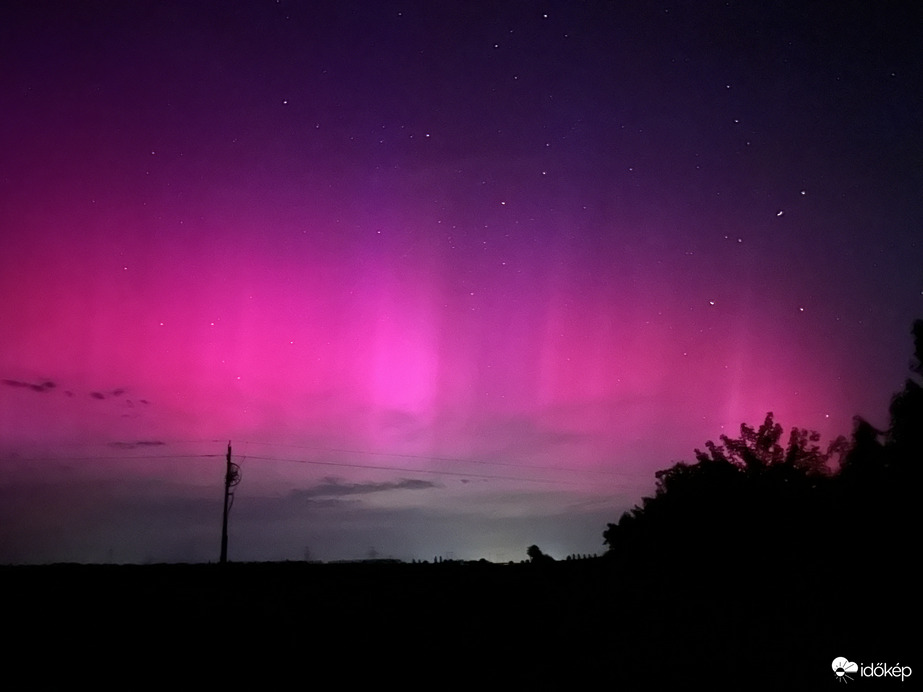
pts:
[454, 278]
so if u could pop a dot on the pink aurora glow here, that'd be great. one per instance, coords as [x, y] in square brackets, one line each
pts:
[463, 302]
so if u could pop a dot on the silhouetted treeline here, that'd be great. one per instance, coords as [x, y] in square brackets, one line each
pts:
[751, 568]
[754, 512]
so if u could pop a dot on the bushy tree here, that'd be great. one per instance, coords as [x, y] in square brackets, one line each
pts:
[753, 502]
[537, 556]
[748, 503]
[878, 485]
[758, 450]
[905, 435]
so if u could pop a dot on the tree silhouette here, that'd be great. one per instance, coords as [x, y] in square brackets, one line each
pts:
[905, 436]
[757, 450]
[752, 507]
[537, 556]
[878, 491]
[748, 505]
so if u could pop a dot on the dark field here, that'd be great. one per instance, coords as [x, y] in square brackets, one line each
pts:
[576, 621]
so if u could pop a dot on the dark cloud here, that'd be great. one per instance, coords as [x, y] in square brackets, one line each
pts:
[137, 444]
[333, 487]
[119, 391]
[43, 386]
[15, 383]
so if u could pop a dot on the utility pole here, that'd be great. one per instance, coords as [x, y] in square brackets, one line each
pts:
[231, 479]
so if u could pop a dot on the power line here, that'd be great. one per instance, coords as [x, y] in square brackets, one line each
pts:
[425, 457]
[315, 448]
[409, 470]
[374, 467]
[116, 457]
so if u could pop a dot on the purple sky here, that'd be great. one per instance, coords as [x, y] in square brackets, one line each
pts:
[454, 278]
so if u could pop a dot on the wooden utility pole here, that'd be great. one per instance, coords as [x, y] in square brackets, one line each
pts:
[231, 478]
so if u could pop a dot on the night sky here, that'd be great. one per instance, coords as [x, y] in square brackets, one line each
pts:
[453, 277]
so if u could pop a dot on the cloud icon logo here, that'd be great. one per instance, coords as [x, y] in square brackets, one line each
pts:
[842, 666]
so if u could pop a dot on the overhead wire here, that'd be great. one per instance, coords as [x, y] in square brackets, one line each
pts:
[427, 457]
[410, 470]
[356, 465]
